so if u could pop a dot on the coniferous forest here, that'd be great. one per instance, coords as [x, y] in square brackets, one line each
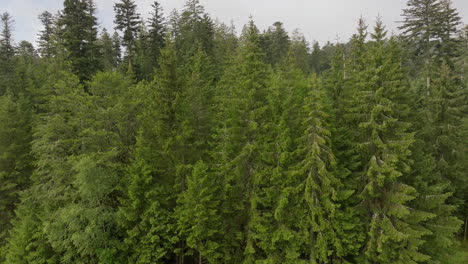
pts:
[177, 139]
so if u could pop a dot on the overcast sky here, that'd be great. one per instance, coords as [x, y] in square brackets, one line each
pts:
[321, 20]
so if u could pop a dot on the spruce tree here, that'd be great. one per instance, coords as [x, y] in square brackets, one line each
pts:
[450, 23]
[240, 139]
[393, 229]
[46, 35]
[199, 214]
[299, 52]
[446, 108]
[156, 32]
[276, 44]
[78, 30]
[286, 96]
[7, 51]
[52, 145]
[16, 163]
[147, 210]
[193, 26]
[318, 185]
[108, 59]
[127, 20]
[116, 48]
[340, 90]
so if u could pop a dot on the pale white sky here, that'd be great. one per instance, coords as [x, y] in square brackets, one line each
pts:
[321, 20]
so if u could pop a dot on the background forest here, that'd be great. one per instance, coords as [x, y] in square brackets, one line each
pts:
[178, 140]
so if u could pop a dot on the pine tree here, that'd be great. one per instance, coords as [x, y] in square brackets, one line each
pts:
[156, 32]
[79, 38]
[142, 64]
[276, 43]
[147, 210]
[193, 26]
[446, 107]
[450, 22]
[127, 20]
[317, 183]
[336, 82]
[299, 51]
[286, 95]
[15, 161]
[116, 50]
[240, 139]
[429, 29]
[52, 144]
[7, 51]
[393, 229]
[6, 43]
[28, 242]
[199, 215]
[109, 61]
[433, 194]
[224, 45]
[46, 35]
[316, 58]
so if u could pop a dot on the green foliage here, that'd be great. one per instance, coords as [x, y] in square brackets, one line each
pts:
[205, 147]
[46, 35]
[318, 185]
[79, 39]
[15, 159]
[198, 217]
[127, 20]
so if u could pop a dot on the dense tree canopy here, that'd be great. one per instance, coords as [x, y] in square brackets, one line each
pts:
[176, 140]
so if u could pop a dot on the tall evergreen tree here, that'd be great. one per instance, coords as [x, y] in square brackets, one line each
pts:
[53, 143]
[446, 108]
[199, 215]
[16, 163]
[393, 230]
[78, 29]
[318, 185]
[299, 52]
[46, 35]
[109, 61]
[147, 211]
[276, 43]
[156, 32]
[450, 23]
[193, 26]
[7, 51]
[241, 137]
[127, 20]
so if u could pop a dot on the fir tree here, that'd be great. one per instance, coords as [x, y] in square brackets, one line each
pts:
[299, 52]
[199, 215]
[46, 35]
[446, 107]
[15, 161]
[79, 38]
[193, 26]
[318, 184]
[7, 51]
[156, 32]
[108, 59]
[241, 138]
[393, 230]
[276, 44]
[147, 211]
[450, 22]
[127, 20]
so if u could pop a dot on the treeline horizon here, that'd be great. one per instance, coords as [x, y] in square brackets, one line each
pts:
[176, 140]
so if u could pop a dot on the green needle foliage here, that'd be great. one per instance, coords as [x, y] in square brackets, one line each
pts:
[176, 140]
